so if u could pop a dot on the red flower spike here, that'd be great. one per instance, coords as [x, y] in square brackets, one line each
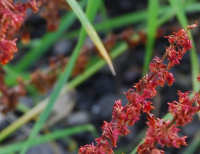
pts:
[184, 109]
[163, 132]
[179, 44]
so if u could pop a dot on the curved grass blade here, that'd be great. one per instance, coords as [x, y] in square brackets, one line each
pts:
[91, 32]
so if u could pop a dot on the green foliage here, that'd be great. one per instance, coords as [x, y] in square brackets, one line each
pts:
[152, 25]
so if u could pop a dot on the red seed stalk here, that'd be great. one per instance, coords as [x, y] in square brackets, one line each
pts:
[139, 98]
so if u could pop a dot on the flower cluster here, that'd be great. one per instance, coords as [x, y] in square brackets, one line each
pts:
[139, 98]
[12, 16]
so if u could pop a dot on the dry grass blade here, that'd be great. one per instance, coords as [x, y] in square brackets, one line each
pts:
[91, 32]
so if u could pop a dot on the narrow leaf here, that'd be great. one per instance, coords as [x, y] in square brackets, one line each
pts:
[91, 32]
[152, 25]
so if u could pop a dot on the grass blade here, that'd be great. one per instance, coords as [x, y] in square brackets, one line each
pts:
[152, 25]
[91, 32]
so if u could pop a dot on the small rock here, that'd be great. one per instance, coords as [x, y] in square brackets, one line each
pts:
[78, 118]
[103, 108]
[44, 149]
[62, 47]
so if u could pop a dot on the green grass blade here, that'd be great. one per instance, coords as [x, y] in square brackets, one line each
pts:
[63, 78]
[58, 134]
[152, 25]
[177, 6]
[91, 32]
[103, 10]
[110, 24]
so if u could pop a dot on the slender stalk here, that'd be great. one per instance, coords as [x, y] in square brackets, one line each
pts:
[92, 33]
